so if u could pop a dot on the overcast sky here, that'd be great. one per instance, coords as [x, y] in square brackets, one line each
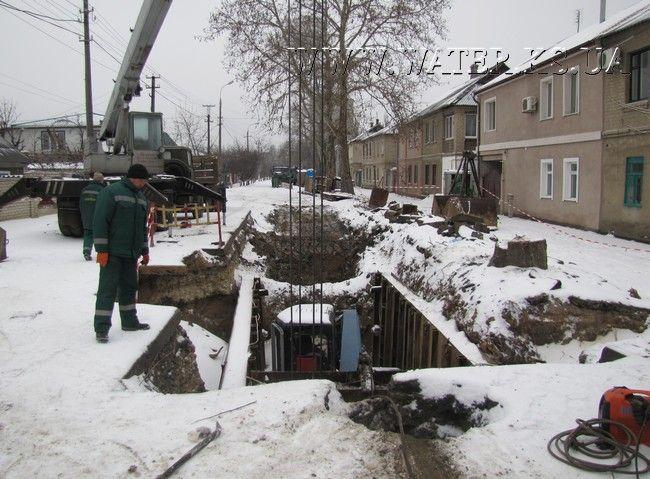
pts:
[44, 76]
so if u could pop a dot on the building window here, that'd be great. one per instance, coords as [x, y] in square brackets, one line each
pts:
[546, 179]
[640, 75]
[470, 125]
[410, 175]
[572, 91]
[490, 114]
[427, 174]
[449, 127]
[433, 174]
[546, 98]
[52, 140]
[571, 179]
[415, 174]
[633, 181]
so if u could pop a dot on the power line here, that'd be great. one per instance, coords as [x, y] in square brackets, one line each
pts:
[33, 93]
[58, 41]
[9, 8]
[17, 80]
[36, 14]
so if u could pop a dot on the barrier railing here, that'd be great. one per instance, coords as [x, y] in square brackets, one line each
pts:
[178, 216]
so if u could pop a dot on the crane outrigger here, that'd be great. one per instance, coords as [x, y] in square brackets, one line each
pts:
[126, 137]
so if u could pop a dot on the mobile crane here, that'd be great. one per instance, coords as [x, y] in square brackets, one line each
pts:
[128, 137]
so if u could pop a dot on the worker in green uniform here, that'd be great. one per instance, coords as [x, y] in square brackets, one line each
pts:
[87, 203]
[120, 237]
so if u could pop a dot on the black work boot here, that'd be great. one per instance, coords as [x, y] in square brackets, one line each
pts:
[87, 257]
[136, 327]
[101, 337]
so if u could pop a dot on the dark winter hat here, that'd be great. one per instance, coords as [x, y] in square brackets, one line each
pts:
[137, 171]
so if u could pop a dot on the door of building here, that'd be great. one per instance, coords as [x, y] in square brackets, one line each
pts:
[491, 176]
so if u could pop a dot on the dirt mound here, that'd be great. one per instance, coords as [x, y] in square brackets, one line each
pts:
[174, 370]
[423, 418]
[547, 320]
[320, 248]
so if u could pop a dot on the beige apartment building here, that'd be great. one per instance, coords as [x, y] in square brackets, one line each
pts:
[373, 157]
[566, 141]
[432, 142]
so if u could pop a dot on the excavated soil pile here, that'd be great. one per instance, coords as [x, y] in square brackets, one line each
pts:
[423, 418]
[174, 370]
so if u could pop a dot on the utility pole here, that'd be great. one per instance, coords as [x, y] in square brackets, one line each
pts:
[220, 125]
[153, 89]
[248, 148]
[603, 10]
[578, 18]
[209, 121]
[90, 130]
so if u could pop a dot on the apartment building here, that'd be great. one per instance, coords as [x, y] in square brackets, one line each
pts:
[565, 137]
[432, 142]
[373, 157]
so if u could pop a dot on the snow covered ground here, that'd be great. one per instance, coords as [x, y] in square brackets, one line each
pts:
[535, 402]
[65, 412]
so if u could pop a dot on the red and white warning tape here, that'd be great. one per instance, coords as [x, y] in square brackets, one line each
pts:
[562, 231]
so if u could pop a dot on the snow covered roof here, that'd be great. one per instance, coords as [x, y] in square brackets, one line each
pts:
[638, 13]
[387, 130]
[306, 314]
[461, 95]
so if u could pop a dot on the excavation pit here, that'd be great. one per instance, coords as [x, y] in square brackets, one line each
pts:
[309, 248]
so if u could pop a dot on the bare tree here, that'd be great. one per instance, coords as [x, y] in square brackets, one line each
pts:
[357, 36]
[8, 117]
[189, 129]
[242, 163]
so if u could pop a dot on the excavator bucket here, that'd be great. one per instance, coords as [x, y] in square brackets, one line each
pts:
[481, 209]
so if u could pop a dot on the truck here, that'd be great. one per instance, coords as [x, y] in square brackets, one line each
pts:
[125, 138]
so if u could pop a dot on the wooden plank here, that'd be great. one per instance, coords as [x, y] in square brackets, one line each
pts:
[453, 357]
[421, 340]
[440, 350]
[390, 328]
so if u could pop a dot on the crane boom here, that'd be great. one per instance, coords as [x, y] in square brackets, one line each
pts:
[127, 84]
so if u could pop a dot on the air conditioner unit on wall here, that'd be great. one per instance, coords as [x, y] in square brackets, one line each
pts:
[529, 104]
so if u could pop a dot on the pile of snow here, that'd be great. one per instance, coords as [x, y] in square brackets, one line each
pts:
[307, 313]
[588, 265]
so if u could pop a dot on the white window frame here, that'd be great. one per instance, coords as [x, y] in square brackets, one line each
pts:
[566, 101]
[486, 118]
[449, 117]
[566, 178]
[475, 124]
[543, 177]
[542, 98]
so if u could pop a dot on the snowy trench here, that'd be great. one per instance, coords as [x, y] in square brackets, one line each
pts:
[60, 389]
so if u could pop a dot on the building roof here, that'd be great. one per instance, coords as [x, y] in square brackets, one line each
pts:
[366, 135]
[461, 95]
[10, 157]
[69, 121]
[638, 13]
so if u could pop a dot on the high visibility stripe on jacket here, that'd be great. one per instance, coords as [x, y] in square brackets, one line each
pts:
[87, 202]
[120, 223]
